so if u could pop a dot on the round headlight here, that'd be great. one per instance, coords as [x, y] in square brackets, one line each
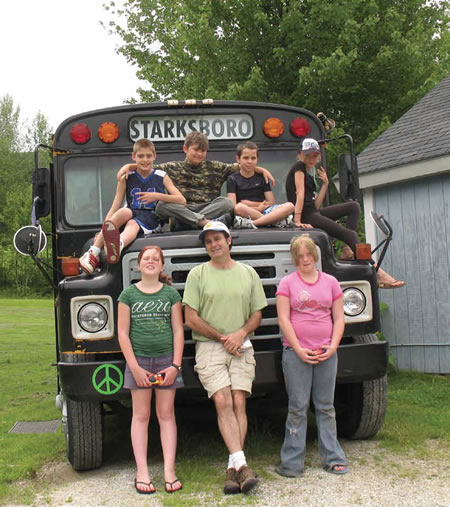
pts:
[92, 317]
[354, 302]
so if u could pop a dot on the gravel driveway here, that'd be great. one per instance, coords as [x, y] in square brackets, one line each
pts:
[377, 477]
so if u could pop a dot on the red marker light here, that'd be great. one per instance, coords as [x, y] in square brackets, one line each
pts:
[273, 127]
[108, 132]
[80, 133]
[299, 127]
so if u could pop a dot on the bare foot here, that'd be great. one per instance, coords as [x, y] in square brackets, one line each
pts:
[386, 281]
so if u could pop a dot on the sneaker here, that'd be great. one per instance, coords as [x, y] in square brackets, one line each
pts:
[222, 219]
[281, 223]
[89, 262]
[247, 478]
[231, 482]
[243, 223]
[111, 236]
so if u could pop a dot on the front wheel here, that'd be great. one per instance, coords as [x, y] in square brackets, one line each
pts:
[361, 407]
[83, 429]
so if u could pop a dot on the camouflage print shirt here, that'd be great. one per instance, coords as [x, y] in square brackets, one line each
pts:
[200, 184]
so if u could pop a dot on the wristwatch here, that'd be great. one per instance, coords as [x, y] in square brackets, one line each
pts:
[178, 367]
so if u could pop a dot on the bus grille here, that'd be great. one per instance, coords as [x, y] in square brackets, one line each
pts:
[271, 262]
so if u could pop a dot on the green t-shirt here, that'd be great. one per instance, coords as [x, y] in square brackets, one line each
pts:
[224, 298]
[150, 320]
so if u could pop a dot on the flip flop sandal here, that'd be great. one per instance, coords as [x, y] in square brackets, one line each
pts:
[111, 235]
[172, 489]
[333, 469]
[142, 491]
[394, 284]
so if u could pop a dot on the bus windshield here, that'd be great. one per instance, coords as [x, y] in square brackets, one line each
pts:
[90, 181]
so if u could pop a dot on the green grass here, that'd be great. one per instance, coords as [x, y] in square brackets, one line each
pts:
[28, 388]
[418, 412]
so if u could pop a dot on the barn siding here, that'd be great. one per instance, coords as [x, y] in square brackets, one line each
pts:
[417, 320]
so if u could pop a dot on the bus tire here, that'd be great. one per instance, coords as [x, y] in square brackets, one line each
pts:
[361, 407]
[84, 436]
[83, 428]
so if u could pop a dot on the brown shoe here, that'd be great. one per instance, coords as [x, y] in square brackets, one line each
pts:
[231, 482]
[247, 478]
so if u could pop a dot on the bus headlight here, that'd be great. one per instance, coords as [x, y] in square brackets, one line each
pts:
[92, 317]
[354, 302]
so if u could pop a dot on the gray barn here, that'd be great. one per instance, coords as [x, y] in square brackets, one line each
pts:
[405, 175]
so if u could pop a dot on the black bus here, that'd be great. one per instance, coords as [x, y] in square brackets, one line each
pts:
[78, 189]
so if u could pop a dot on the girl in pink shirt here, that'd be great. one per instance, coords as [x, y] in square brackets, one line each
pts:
[311, 317]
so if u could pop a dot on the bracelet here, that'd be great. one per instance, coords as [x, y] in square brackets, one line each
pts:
[178, 367]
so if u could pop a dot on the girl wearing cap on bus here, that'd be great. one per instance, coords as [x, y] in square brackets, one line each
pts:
[151, 336]
[300, 190]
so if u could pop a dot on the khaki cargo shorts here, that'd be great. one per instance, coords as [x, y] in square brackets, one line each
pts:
[216, 368]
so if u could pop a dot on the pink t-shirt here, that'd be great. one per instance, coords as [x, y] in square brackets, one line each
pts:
[311, 305]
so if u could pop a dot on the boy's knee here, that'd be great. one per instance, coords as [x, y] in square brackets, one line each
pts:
[238, 208]
[289, 207]
[227, 205]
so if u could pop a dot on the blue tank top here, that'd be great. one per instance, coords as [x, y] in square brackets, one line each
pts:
[136, 183]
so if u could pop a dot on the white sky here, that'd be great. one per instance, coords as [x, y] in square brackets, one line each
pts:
[56, 58]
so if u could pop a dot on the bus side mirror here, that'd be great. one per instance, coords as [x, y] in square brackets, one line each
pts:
[348, 178]
[41, 192]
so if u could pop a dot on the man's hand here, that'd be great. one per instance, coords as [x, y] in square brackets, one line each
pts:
[233, 342]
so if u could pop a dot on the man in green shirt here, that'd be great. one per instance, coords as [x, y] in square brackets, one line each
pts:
[223, 301]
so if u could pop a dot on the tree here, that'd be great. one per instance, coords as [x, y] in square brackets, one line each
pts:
[39, 131]
[10, 140]
[16, 166]
[363, 62]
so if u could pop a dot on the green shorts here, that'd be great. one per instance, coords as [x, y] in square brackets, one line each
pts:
[216, 368]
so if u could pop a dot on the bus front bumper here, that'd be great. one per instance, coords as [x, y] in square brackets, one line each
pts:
[103, 381]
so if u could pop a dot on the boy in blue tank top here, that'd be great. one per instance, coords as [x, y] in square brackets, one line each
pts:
[143, 189]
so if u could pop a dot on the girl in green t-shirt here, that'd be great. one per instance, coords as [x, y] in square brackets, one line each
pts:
[150, 328]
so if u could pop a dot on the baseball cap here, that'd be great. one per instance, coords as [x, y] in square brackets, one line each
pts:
[310, 146]
[214, 226]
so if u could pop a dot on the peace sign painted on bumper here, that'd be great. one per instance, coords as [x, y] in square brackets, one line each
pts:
[107, 379]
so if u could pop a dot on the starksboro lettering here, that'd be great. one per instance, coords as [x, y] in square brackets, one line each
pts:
[175, 128]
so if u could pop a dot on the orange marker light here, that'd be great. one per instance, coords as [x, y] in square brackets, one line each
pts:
[273, 127]
[70, 266]
[299, 127]
[108, 132]
[80, 133]
[363, 251]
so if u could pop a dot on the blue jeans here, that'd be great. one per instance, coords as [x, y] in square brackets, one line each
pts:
[305, 381]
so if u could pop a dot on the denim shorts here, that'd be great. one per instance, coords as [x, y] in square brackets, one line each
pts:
[152, 365]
